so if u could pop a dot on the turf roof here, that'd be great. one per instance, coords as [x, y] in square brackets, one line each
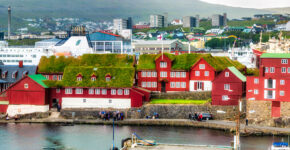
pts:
[58, 64]
[186, 61]
[121, 77]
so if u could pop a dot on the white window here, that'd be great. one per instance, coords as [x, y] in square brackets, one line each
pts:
[46, 76]
[14, 74]
[163, 74]
[282, 93]
[282, 82]
[183, 84]
[283, 69]
[126, 92]
[98, 91]
[266, 69]
[163, 64]
[143, 74]
[91, 91]
[183, 74]
[154, 74]
[201, 66]
[148, 74]
[225, 98]
[227, 74]
[79, 91]
[177, 74]
[256, 91]
[120, 92]
[143, 84]
[108, 79]
[57, 90]
[113, 91]
[256, 81]
[68, 90]
[206, 73]
[154, 84]
[226, 86]
[54, 77]
[79, 78]
[104, 91]
[272, 69]
[93, 78]
[172, 84]
[284, 61]
[172, 74]
[26, 85]
[149, 84]
[59, 77]
[288, 69]
[177, 84]
[196, 73]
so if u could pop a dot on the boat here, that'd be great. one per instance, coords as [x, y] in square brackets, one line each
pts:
[280, 146]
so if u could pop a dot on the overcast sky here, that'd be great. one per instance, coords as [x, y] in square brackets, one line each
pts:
[252, 3]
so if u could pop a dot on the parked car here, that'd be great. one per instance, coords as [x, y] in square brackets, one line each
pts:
[207, 116]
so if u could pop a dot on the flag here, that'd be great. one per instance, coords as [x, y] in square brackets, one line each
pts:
[160, 37]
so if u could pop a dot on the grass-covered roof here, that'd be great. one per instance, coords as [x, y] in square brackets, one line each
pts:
[186, 61]
[58, 64]
[120, 77]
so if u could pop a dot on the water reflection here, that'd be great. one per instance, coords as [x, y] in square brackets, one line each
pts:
[92, 137]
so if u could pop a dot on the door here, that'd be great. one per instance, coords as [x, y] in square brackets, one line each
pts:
[275, 109]
[54, 103]
[163, 86]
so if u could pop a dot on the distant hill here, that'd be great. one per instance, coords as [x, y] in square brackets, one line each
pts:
[285, 10]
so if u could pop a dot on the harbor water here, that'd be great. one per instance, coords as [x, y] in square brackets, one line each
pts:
[99, 137]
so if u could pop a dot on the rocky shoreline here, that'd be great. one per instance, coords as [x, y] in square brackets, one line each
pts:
[228, 126]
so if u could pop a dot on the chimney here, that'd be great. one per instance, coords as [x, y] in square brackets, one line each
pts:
[9, 22]
[20, 64]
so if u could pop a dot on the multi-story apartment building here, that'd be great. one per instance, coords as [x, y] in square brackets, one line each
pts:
[121, 24]
[272, 86]
[158, 21]
[219, 20]
[190, 21]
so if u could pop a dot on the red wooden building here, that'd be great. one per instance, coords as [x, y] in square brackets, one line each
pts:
[185, 72]
[272, 84]
[228, 87]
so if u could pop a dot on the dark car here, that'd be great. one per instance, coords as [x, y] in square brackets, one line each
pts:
[207, 116]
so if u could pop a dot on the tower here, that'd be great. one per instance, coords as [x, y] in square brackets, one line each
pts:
[9, 22]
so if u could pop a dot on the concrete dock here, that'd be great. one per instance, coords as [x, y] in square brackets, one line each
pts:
[180, 147]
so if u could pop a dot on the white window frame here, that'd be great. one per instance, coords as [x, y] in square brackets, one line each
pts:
[154, 74]
[163, 64]
[183, 74]
[227, 74]
[288, 69]
[272, 69]
[172, 74]
[282, 82]
[172, 84]
[54, 77]
[154, 84]
[120, 91]
[79, 78]
[163, 74]
[59, 77]
[256, 81]
[177, 74]
[282, 93]
[143, 73]
[79, 90]
[26, 85]
[256, 92]
[93, 78]
[197, 73]
[201, 66]
[266, 69]
[57, 90]
[177, 84]
[227, 87]
[104, 91]
[113, 92]
[284, 61]
[206, 73]
[46, 76]
[144, 84]
[68, 90]
[91, 91]
[149, 84]
[148, 74]
[283, 70]
[126, 91]
[225, 98]
[97, 91]
[183, 84]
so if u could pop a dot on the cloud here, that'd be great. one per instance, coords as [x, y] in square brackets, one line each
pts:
[251, 3]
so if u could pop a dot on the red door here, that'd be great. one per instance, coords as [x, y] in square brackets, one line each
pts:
[275, 109]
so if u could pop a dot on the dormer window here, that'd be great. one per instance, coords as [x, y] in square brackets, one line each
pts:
[163, 64]
[93, 78]
[79, 77]
[14, 74]
[4, 74]
[201, 66]
[108, 77]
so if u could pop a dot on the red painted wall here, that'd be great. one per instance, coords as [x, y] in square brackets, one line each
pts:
[33, 95]
[202, 77]
[145, 93]
[3, 108]
[136, 98]
[276, 109]
[237, 88]
[274, 62]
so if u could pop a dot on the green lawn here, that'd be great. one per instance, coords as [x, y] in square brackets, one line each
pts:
[177, 101]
